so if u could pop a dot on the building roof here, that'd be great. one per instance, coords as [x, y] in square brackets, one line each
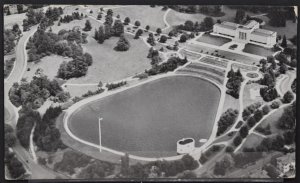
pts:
[262, 32]
[228, 25]
[251, 24]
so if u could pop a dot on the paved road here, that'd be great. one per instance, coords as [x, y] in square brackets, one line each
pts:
[38, 171]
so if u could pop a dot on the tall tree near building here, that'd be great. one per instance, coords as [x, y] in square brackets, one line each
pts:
[284, 43]
[239, 16]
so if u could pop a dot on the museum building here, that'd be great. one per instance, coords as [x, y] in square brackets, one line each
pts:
[248, 33]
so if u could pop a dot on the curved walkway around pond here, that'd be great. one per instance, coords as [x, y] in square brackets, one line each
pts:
[79, 104]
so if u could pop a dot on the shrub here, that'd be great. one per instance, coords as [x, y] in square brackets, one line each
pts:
[229, 149]
[288, 97]
[244, 131]
[226, 120]
[266, 109]
[275, 105]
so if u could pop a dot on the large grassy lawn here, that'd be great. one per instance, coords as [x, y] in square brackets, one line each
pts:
[252, 141]
[228, 55]
[258, 50]
[79, 90]
[214, 40]
[10, 20]
[110, 65]
[49, 64]
[143, 13]
[146, 119]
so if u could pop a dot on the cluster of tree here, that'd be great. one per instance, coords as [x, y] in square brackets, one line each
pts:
[170, 65]
[9, 136]
[272, 172]
[221, 167]
[166, 168]
[264, 130]
[288, 97]
[282, 57]
[46, 135]
[250, 110]
[109, 30]
[35, 17]
[211, 10]
[69, 18]
[279, 13]
[226, 120]
[205, 25]
[15, 167]
[234, 83]
[96, 170]
[268, 93]
[244, 158]
[138, 33]
[184, 37]
[269, 75]
[75, 68]
[154, 56]
[111, 86]
[71, 160]
[288, 119]
[33, 94]
[26, 121]
[65, 43]
[8, 66]
[276, 143]
[10, 36]
[256, 117]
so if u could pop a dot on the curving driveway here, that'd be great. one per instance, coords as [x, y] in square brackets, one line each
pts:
[37, 171]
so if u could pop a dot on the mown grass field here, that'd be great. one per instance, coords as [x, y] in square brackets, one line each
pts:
[258, 50]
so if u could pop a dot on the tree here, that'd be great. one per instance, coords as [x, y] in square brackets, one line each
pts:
[101, 35]
[266, 109]
[110, 12]
[288, 97]
[289, 137]
[20, 8]
[99, 16]
[237, 140]
[126, 20]
[229, 149]
[151, 39]
[147, 27]
[284, 43]
[118, 28]
[123, 44]
[137, 23]
[244, 131]
[107, 31]
[283, 68]
[138, 33]
[158, 31]
[207, 23]
[163, 39]
[10, 139]
[221, 166]
[88, 26]
[239, 16]
[183, 38]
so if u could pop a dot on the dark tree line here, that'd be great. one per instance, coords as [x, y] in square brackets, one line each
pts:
[10, 37]
[25, 123]
[170, 168]
[69, 18]
[205, 25]
[234, 83]
[111, 86]
[226, 120]
[207, 10]
[46, 135]
[171, 64]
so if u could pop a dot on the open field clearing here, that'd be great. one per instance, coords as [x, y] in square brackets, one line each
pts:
[147, 118]
[252, 141]
[258, 50]
[230, 102]
[79, 90]
[10, 20]
[214, 40]
[110, 65]
[48, 64]
[145, 14]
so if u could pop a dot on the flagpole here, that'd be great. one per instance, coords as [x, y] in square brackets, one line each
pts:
[100, 143]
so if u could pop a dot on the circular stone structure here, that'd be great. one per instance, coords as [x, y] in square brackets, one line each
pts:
[147, 120]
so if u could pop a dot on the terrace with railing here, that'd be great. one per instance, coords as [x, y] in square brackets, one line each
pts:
[215, 74]
[214, 61]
